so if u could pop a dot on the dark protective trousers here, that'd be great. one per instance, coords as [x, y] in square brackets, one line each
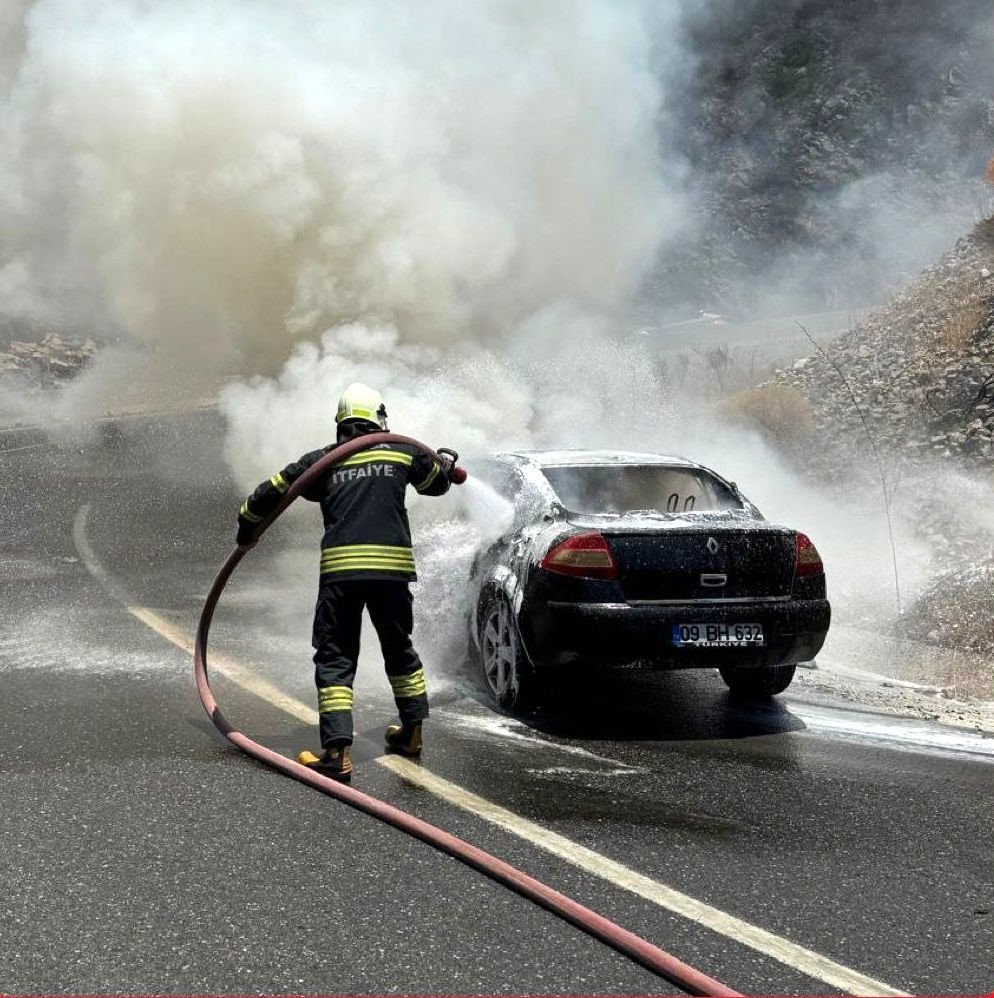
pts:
[337, 626]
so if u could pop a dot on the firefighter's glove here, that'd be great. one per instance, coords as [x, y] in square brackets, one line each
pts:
[447, 460]
[246, 535]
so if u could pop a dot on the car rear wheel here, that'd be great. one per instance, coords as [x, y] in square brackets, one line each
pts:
[506, 669]
[758, 682]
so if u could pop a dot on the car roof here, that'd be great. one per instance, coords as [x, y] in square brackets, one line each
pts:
[593, 458]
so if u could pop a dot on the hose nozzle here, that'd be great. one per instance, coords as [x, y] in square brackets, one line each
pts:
[455, 475]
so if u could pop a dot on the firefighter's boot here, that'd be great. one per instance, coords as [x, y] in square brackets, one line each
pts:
[404, 739]
[335, 763]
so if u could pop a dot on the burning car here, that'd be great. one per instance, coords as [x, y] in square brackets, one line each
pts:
[624, 559]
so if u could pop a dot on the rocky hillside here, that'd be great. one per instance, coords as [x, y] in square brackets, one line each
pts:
[829, 144]
[917, 379]
[956, 610]
[921, 370]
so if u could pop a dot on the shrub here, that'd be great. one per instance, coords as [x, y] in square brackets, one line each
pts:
[959, 327]
[779, 411]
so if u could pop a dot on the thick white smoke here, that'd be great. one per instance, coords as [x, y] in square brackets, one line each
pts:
[441, 199]
[571, 387]
[221, 178]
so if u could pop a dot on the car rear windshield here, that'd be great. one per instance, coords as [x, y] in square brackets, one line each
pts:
[630, 488]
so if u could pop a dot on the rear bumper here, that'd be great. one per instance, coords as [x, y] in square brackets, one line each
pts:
[614, 634]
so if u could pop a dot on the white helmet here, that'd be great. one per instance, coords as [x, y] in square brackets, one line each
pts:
[359, 401]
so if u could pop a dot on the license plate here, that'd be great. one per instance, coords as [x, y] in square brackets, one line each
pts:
[718, 635]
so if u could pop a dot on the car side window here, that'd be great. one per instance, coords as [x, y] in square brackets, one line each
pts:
[523, 499]
[529, 501]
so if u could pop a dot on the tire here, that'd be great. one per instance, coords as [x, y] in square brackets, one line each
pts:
[507, 673]
[764, 682]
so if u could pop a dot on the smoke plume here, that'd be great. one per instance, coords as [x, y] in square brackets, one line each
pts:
[221, 179]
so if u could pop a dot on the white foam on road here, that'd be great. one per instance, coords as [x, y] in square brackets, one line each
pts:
[895, 732]
[877, 678]
[70, 641]
[580, 771]
[487, 726]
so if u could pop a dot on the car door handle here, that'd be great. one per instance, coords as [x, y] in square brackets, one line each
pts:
[714, 580]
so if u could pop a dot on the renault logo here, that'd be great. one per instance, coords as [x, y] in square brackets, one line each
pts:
[712, 545]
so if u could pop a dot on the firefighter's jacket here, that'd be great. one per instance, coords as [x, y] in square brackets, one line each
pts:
[366, 531]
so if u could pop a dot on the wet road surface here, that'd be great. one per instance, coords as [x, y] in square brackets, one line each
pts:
[144, 854]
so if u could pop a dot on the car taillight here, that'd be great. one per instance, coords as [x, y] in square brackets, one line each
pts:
[583, 556]
[807, 561]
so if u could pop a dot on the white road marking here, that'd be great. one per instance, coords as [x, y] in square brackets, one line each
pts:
[806, 961]
[227, 667]
[86, 553]
[15, 450]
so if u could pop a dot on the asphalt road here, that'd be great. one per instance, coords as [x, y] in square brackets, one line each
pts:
[142, 854]
[767, 339]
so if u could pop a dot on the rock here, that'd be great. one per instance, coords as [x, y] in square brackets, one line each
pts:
[52, 359]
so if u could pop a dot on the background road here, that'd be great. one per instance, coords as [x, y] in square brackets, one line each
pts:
[141, 853]
[767, 339]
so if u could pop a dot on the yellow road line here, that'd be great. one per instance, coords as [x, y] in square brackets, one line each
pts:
[806, 961]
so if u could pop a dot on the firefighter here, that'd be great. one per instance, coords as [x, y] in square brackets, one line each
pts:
[366, 562]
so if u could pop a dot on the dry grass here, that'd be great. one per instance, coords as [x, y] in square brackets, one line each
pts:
[963, 323]
[778, 411]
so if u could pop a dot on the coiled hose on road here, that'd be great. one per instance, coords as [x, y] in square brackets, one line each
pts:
[631, 945]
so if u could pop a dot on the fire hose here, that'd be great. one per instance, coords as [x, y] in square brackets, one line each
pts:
[634, 947]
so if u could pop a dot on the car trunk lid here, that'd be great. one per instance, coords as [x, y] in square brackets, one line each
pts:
[680, 562]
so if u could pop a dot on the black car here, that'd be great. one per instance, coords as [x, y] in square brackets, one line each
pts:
[617, 560]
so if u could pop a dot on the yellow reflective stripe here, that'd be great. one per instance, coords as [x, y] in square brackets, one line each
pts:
[366, 457]
[344, 691]
[351, 562]
[325, 700]
[247, 515]
[407, 566]
[334, 698]
[405, 687]
[348, 549]
[432, 475]
[367, 557]
[278, 482]
[380, 454]
[393, 556]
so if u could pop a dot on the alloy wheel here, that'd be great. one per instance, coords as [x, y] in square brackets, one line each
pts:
[499, 644]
